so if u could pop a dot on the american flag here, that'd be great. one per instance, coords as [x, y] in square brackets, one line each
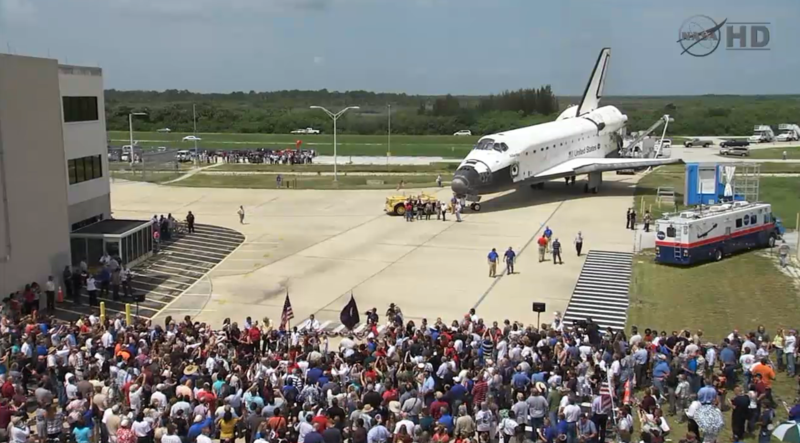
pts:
[287, 313]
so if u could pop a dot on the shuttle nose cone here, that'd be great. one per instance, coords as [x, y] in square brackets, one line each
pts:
[460, 185]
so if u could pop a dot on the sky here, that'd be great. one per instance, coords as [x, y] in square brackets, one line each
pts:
[412, 46]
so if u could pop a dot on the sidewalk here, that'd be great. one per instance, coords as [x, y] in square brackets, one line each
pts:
[191, 173]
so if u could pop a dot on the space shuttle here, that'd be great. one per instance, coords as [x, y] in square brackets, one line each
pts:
[584, 139]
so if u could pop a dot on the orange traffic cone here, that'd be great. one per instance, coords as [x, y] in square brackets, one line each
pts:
[60, 295]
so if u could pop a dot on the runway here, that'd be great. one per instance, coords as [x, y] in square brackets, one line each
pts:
[319, 246]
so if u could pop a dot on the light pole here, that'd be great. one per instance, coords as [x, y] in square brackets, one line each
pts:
[389, 146]
[335, 116]
[194, 122]
[130, 129]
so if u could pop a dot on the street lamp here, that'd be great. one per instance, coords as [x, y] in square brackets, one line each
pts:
[130, 129]
[335, 116]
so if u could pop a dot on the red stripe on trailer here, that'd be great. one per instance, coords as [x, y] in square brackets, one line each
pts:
[768, 226]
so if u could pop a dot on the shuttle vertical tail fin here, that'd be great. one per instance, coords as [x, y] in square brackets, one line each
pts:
[594, 89]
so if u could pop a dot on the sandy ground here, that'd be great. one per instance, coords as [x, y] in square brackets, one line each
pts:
[323, 245]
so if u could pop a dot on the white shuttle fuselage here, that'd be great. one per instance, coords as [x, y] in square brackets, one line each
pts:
[582, 140]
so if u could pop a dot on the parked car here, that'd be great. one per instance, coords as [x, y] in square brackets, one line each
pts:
[732, 143]
[183, 156]
[697, 142]
[463, 132]
[741, 151]
[164, 130]
[191, 138]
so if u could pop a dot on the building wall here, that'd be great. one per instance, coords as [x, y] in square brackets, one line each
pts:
[34, 227]
[84, 139]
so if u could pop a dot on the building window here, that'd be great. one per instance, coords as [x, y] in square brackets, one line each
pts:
[85, 169]
[80, 109]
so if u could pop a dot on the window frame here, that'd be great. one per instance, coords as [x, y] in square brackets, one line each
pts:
[84, 169]
[84, 108]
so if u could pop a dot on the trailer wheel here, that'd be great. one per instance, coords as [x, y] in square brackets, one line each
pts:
[399, 209]
[771, 241]
[718, 255]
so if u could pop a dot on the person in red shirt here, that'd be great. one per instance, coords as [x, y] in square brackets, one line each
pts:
[542, 242]
[321, 421]
[479, 392]
[390, 394]
[206, 395]
[437, 405]
[7, 389]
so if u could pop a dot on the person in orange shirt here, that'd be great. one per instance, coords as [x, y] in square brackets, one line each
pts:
[766, 372]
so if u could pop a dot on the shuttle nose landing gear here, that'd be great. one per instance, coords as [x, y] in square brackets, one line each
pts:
[593, 185]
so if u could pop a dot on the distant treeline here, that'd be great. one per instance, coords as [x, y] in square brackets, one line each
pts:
[284, 111]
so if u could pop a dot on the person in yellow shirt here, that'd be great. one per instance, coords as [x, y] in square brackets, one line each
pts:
[227, 428]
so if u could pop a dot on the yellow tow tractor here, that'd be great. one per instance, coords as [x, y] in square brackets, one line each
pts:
[396, 204]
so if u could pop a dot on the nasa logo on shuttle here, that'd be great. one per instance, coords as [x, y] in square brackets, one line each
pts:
[661, 235]
[514, 169]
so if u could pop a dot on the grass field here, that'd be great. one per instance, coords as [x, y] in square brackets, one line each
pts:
[371, 145]
[150, 177]
[740, 292]
[444, 168]
[268, 181]
[792, 153]
[782, 192]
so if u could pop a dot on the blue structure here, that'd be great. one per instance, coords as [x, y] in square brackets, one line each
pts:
[705, 184]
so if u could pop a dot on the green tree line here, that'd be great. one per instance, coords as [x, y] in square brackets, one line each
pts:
[284, 111]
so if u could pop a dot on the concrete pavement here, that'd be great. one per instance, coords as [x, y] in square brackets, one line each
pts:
[321, 245]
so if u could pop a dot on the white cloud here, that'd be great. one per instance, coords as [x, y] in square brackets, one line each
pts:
[17, 11]
[319, 60]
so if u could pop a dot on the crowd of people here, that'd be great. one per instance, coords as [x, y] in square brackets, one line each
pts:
[183, 381]
[423, 207]
[268, 156]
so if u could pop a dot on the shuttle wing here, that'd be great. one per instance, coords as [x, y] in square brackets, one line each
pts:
[579, 166]
[597, 82]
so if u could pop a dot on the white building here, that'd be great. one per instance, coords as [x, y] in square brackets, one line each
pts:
[53, 164]
[85, 145]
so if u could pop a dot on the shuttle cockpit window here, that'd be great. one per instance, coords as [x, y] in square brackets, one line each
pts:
[504, 146]
[485, 144]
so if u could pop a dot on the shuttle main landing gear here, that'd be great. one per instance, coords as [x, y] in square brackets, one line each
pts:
[475, 207]
[593, 185]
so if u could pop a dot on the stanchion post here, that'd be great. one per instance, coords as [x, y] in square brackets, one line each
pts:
[797, 234]
[102, 312]
[128, 314]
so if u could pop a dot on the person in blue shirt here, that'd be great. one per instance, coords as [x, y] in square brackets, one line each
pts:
[660, 373]
[313, 375]
[82, 432]
[520, 380]
[197, 427]
[548, 433]
[447, 420]
[493, 263]
[509, 256]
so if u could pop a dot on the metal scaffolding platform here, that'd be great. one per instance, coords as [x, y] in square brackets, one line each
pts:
[746, 181]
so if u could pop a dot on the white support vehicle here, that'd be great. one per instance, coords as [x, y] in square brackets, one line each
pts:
[712, 232]
[762, 134]
[306, 131]
[463, 132]
[788, 133]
